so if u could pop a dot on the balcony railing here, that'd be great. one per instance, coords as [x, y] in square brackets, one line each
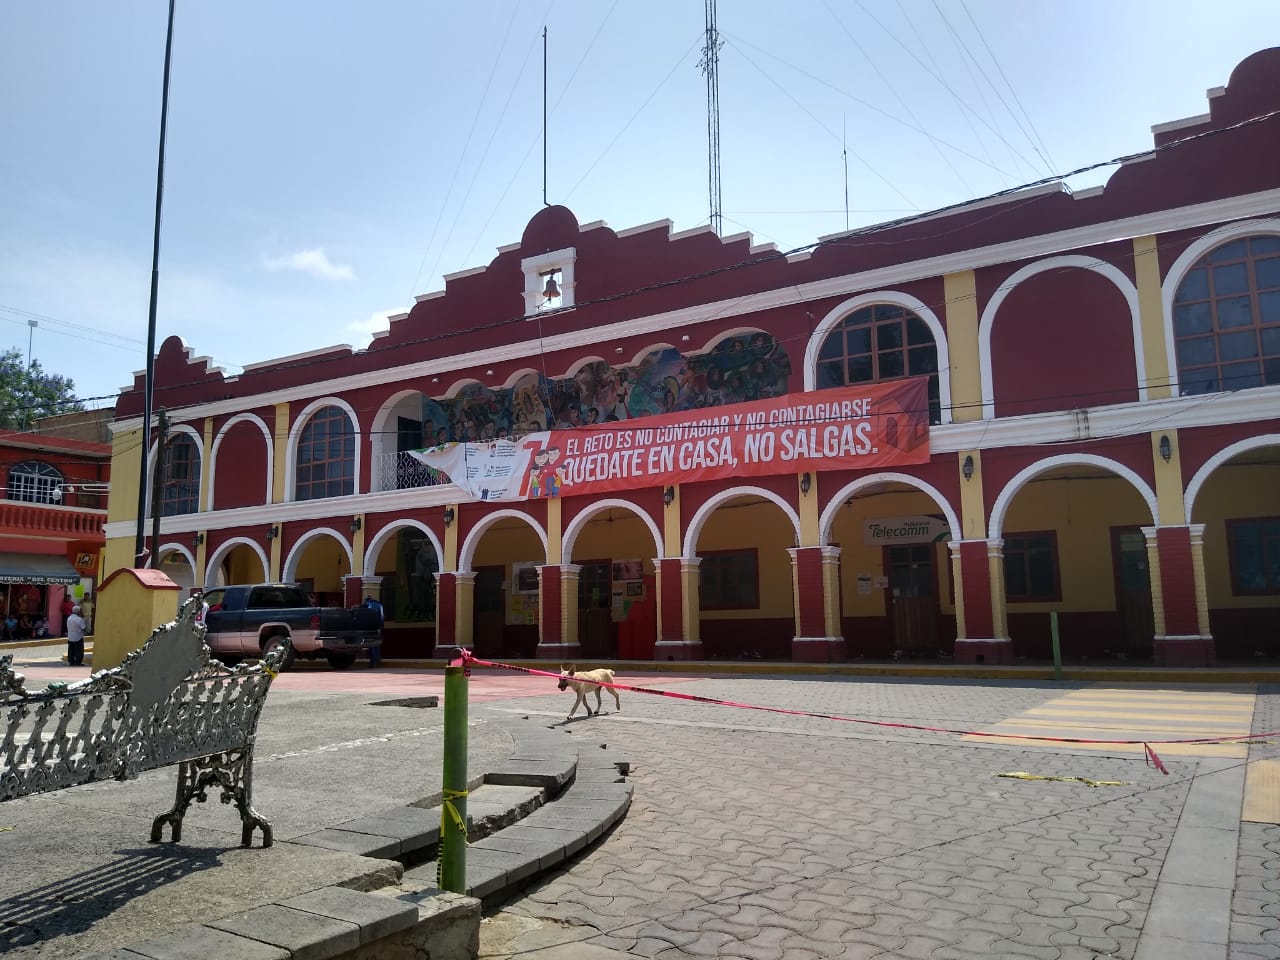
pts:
[45, 520]
[403, 471]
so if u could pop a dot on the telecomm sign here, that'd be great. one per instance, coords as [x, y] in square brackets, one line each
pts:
[919, 529]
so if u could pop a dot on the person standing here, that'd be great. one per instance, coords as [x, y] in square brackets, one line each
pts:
[375, 653]
[75, 638]
[67, 604]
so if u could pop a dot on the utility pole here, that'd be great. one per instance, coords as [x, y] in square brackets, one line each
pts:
[157, 487]
[139, 541]
[544, 117]
[31, 329]
[711, 67]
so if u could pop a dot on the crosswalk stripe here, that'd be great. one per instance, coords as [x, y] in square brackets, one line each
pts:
[1262, 792]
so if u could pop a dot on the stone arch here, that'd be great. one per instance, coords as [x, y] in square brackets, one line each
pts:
[898, 299]
[694, 529]
[214, 560]
[290, 566]
[375, 546]
[217, 442]
[996, 524]
[1178, 270]
[1100, 267]
[468, 551]
[833, 506]
[1221, 457]
[580, 521]
[295, 435]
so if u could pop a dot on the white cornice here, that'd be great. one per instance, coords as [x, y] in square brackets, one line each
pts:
[1181, 218]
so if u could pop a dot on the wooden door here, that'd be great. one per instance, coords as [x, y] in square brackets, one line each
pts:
[912, 599]
[490, 605]
[1133, 591]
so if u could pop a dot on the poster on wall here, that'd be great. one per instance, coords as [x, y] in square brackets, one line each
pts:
[870, 426]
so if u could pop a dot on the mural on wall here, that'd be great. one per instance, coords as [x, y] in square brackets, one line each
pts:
[744, 367]
[416, 566]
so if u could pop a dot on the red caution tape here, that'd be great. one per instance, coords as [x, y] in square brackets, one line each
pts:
[468, 657]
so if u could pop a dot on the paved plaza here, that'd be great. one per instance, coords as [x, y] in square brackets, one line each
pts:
[753, 834]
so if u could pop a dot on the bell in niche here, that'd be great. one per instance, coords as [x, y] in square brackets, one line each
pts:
[552, 289]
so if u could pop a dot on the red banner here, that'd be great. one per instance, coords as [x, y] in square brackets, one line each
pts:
[868, 427]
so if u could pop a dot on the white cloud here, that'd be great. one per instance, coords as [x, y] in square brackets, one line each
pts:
[315, 262]
[378, 322]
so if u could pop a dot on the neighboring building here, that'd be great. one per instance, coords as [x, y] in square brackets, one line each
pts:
[51, 526]
[1103, 383]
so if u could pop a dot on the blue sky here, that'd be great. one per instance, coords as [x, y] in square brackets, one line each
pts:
[327, 160]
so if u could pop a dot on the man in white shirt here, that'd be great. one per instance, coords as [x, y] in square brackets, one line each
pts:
[75, 638]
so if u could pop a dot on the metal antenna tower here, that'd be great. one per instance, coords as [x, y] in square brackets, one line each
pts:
[710, 64]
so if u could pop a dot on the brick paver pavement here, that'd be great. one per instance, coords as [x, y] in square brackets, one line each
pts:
[763, 836]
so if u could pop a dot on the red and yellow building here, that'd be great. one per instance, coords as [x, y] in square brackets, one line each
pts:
[1103, 380]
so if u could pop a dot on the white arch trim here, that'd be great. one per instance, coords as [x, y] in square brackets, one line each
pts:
[1180, 266]
[153, 465]
[214, 561]
[579, 523]
[833, 507]
[1221, 457]
[700, 518]
[468, 551]
[266, 440]
[377, 543]
[290, 567]
[1011, 488]
[899, 299]
[179, 548]
[1100, 267]
[295, 434]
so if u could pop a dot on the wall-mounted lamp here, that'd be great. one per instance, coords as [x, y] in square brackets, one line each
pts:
[967, 467]
[273, 531]
[448, 516]
[197, 539]
[806, 481]
[669, 495]
[1166, 448]
[356, 524]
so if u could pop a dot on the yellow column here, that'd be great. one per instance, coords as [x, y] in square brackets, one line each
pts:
[205, 463]
[831, 590]
[957, 582]
[464, 617]
[690, 611]
[961, 293]
[999, 615]
[973, 508]
[1197, 568]
[273, 559]
[357, 547]
[281, 451]
[1155, 349]
[1168, 475]
[1157, 585]
[672, 542]
[201, 556]
[569, 603]
[810, 534]
[449, 562]
[555, 535]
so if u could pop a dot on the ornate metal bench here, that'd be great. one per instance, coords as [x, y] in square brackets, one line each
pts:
[167, 703]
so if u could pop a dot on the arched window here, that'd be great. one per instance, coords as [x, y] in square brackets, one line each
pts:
[326, 456]
[1226, 318]
[34, 482]
[878, 343]
[180, 481]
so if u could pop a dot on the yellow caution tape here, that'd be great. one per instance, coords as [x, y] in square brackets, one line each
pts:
[450, 812]
[1020, 775]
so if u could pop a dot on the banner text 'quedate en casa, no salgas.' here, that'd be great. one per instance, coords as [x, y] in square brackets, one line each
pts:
[867, 427]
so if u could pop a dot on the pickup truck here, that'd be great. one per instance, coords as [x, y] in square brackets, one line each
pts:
[247, 620]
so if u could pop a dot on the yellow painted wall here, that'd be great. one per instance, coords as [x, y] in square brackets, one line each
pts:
[324, 562]
[243, 566]
[857, 559]
[1082, 511]
[765, 527]
[626, 538]
[1233, 493]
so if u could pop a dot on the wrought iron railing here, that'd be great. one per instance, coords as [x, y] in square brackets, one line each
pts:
[403, 471]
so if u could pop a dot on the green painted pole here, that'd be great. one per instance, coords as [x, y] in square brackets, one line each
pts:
[1057, 649]
[452, 862]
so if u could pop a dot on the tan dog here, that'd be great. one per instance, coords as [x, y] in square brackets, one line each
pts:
[583, 682]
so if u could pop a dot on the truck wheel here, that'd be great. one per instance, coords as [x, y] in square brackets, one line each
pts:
[341, 661]
[278, 641]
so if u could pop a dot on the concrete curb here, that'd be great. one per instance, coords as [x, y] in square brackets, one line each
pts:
[546, 803]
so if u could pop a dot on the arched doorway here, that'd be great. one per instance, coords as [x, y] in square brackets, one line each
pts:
[746, 602]
[406, 556]
[896, 594]
[1233, 498]
[319, 561]
[1070, 533]
[504, 550]
[238, 560]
